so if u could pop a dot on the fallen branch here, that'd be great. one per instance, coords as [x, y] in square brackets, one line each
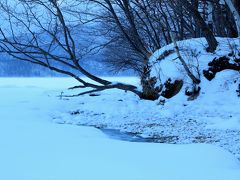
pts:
[97, 88]
[83, 93]
[76, 87]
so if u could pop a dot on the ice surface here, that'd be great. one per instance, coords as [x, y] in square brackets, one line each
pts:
[33, 147]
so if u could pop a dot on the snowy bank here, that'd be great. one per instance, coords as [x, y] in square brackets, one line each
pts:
[212, 118]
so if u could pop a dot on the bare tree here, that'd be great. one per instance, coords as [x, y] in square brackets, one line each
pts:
[44, 32]
[47, 32]
[200, 22]
[194, 79]
[133, 24]
[235, 14]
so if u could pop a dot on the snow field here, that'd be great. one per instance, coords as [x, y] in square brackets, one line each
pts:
[32, 147]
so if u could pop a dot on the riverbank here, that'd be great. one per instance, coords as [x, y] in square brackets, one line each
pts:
[213, 118]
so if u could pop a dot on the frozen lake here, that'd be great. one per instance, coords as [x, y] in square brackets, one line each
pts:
[34, 147]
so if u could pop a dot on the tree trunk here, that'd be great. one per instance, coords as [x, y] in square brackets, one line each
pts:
[235, 14]
[212, 42]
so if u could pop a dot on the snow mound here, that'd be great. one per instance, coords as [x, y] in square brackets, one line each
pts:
[165, 63]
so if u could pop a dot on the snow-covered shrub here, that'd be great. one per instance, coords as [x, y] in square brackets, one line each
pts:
[220, 64]
[171, 88]
[202, 64]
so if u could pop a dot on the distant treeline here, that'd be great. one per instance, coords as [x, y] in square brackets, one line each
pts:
[14, 68]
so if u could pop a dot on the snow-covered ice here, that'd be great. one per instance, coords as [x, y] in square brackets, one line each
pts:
[34, 147]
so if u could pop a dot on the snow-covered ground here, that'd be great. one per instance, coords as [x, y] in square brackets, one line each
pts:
[34, 147]
[212, 118]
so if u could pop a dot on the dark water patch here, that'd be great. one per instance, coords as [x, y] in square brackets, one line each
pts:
[132, 137]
